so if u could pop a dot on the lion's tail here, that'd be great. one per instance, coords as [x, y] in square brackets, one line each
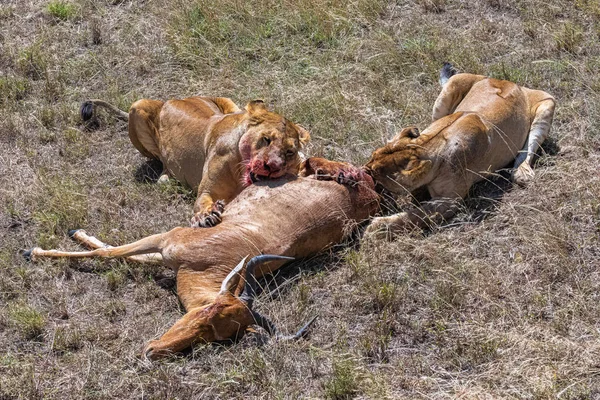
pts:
[87, 109]
[447, 72]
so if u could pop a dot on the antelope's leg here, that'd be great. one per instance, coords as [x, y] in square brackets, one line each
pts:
[540, 128]
[150, 244]
[92, 242]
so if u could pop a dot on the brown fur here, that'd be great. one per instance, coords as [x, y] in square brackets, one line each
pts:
[272, 217]
[479, 125]
[210, 145]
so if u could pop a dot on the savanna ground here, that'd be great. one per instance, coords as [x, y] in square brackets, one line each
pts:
[503, 301]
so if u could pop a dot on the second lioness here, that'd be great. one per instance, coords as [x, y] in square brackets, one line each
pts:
[211, 145]
[479, 125]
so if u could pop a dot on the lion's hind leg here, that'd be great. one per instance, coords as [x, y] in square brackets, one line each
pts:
[453, 92]
[143, 127]
[538, 132]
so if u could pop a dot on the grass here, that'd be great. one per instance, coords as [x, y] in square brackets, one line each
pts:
[62, 10]
[28, 322]
[500, 303]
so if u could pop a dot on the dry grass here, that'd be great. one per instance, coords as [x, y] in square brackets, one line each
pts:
[502, 302]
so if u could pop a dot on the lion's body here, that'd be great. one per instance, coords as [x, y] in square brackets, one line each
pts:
[184, 134]
[211, 145]
[480, 125]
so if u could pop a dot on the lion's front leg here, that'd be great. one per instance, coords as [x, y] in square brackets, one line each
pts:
[218, 186]
[430, 214]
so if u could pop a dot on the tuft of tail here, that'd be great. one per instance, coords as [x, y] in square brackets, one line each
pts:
[447, 72]
[86, 111]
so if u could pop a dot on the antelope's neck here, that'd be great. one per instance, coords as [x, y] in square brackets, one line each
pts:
[197, 289]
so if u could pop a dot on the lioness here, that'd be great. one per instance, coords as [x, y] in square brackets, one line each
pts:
[210, 145]
[479, 126]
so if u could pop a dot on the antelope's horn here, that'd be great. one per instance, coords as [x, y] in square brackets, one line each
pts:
[236, 270]
[249, 292]
[271, 329]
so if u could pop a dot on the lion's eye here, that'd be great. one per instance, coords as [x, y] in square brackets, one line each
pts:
[266, 140]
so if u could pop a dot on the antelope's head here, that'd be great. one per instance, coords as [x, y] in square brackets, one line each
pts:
[227, 317]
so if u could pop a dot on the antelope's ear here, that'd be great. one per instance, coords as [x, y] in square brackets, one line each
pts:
[303, 135]
[256, 107]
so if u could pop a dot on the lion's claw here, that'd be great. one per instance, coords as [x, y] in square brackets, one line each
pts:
[208, 219]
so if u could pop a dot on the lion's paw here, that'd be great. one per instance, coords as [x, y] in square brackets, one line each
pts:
[523, 174]
[208, 219]
[379, 229]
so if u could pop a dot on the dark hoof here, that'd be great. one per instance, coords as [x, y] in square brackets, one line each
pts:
[349, 178]
[26, 254]
[72, 232]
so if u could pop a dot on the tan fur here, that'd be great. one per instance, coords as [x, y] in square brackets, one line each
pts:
[479, 125]
[210, 145]
[270, 217]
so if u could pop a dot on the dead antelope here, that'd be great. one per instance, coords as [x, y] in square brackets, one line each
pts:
[291, 217]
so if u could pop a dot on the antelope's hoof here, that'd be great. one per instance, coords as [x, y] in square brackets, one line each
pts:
[208, 219]
[152, 352]
[26, 254]
[344, 176]
[349, 177]
[72, 232]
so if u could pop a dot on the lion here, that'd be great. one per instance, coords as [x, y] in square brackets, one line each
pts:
[211, 145]
[480, 125]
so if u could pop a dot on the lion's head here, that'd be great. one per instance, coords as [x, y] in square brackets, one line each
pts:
[270, 145]
[399, 166]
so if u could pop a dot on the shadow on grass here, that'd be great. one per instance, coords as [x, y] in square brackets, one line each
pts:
[149, 171]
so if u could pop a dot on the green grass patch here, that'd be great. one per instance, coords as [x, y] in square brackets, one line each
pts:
[13, 88]
[33, 61]
[62, 10]
[27, 320]
[63, 206]
[67, 339]
[344, 383]
[569, 38]
[205, 34]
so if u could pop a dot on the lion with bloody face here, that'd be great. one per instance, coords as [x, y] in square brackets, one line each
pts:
[212, 146]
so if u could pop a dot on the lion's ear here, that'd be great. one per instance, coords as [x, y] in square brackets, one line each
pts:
[417, 167]
[256, 106]
[303, 135]
[409, 132]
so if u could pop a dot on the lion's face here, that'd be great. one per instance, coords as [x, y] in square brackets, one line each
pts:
[398, 166]
[270, 145]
